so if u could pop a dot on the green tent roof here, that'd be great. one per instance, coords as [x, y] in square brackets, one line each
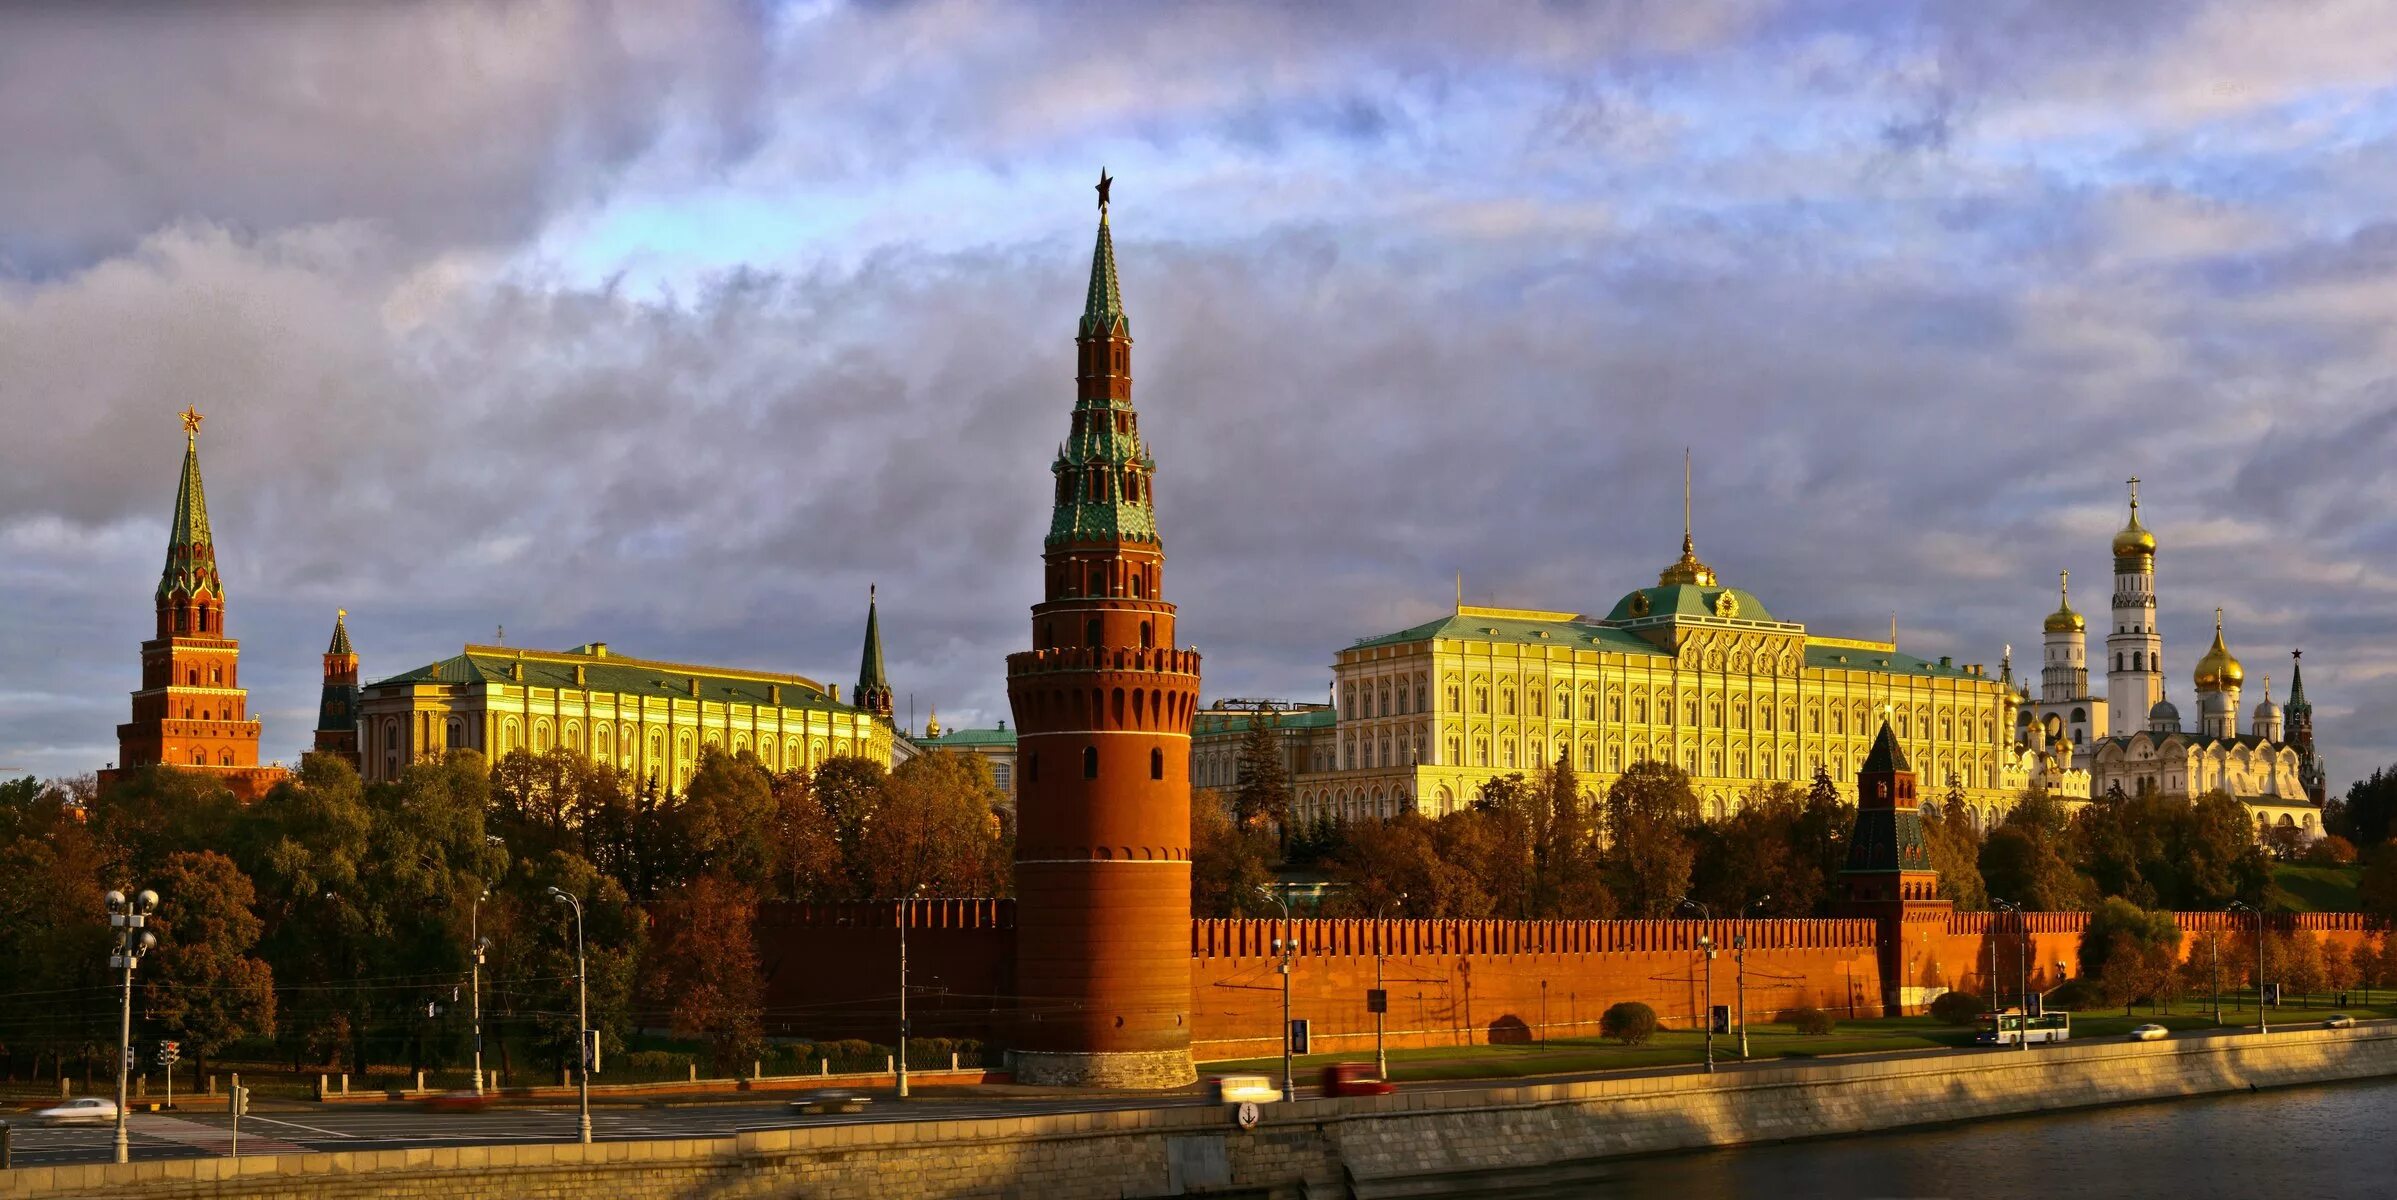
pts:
[629, 676]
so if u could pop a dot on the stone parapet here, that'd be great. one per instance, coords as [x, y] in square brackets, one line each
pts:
[1372, 1143]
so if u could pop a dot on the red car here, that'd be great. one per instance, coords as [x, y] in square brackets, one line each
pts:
[456, 1102]
[1353, 1079]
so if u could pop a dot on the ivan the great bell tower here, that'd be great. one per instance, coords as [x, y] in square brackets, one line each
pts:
[1103, 701]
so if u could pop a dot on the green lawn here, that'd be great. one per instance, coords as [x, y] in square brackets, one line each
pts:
[1678, 1048]
[2302, 888]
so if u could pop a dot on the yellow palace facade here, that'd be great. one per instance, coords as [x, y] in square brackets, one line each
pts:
[652, 719]
[1689, 672]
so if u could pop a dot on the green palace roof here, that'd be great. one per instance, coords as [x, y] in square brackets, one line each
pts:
[1221, 720]
[603, 672]
[1619, 635]
[958, 739]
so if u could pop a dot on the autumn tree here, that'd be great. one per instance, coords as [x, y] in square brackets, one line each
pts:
[535, 979]
[1649, 810]
[2130, 952]
[2023, 860]
[807, 849]
[2338, 967]
[724, 820]
[201, 986]
[851, 792]
[2367, 814]
[1956, 854]
[154, 811]
[1229, 862]
[52, 938]
[937, 831]
[2297, 962]
[2376, 891]
[703, 971]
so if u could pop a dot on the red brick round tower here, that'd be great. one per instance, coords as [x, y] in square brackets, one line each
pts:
[1103, 702]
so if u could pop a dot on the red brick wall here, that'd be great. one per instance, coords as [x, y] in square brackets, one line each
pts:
[1459, 982]
[832, 970]
[2056, 938]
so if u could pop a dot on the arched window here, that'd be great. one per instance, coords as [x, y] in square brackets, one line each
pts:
[1639, 709]
[1481, 699]
[1090, 762]
[1714, 762]
[1506, 701]
[2135, 661]
[1147, 637]
[199, 758]
[1419, 696]
[1481, 752]
[1156, 763]
[1506, 751]
[1090, 632]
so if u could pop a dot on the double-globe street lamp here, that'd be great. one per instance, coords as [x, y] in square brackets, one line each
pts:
[2022, 970]
[1739, 959]
[1283, 945]
[1381, 1011]
[582, 1006]
[1706, 945]
[128, 917]
[482, 946]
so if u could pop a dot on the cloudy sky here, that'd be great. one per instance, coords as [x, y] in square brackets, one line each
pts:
[676, 324]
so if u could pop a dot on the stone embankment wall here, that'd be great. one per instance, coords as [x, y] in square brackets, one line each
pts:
[1328, 1145]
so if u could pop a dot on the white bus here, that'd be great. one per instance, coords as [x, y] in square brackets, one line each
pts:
[2011, 1027]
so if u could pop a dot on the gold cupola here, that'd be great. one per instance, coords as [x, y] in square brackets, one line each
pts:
[2064, 620]
[1686, 569]
[2135, 546]
[2218, 671]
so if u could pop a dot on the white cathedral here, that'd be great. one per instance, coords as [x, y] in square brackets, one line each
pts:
[2080, 744]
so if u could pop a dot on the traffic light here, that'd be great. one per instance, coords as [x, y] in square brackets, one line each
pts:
[1720, 1019]
[1298, 1035]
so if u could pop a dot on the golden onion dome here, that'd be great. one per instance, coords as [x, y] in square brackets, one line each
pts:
[2218, 671]
[2064, 620]
[2134, 541]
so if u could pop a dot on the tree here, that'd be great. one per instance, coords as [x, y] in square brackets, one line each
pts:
[2213, 855]
[807, 849]
[2338, 966]
[1758, 854]
[201, 986]
[152, 812]
[2373, 967]
[1382, 862]
[1261, 797]
[1229, 864]
[2129, 951]
[704, 972]
[52, 936]
[852, 791]
[536, 979]
[2297, 961]
[2376, 890]
[2329, 850]
[1649, 810]
[1956, 855]
[1502, 839]
[2367, 815]
[2023, 859]
[937, 831]
[724, 820]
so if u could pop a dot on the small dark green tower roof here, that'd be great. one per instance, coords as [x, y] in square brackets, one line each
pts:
[1885, 754]
[190, 548]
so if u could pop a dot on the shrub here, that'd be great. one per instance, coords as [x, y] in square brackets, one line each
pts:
[1958, 1008]
[2330, 851]
[849, 1048]
[1630, 1023]
[656, 1062]
[2075, 995]
[1813, 1022]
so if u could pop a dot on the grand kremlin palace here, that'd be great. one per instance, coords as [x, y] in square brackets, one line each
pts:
[1689, 671]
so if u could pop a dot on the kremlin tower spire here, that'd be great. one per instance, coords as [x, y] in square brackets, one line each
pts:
[2298, 720]
[1102, 703]
[337, 713]
[873, 684]
[191, 711]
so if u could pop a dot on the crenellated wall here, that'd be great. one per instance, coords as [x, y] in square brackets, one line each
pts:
[1463, 982]
[832, 970]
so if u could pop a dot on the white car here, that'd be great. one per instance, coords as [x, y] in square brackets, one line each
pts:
[88, 1110]
[1244, 1089]
[2339, 1021]
[2149, 1033]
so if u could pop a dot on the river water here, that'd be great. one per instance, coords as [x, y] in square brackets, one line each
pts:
[2301, 1143]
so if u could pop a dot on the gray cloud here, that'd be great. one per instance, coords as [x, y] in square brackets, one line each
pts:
[1912, 386]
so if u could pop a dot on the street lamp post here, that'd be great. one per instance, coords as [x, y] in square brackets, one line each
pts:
[2022, 972]
[906, 909]
[1739, 945]
[482, 946]
[1381, 1049]
[2263, 1023]
[1706, 945]
[582, 1009]
[1996, 998]
[1282, 944]
[2214, 952]
[128, 917]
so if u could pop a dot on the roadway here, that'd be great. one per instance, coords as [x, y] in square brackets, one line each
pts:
[291, 1128]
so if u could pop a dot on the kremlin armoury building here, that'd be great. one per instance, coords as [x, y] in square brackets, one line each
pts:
[1691, 671]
